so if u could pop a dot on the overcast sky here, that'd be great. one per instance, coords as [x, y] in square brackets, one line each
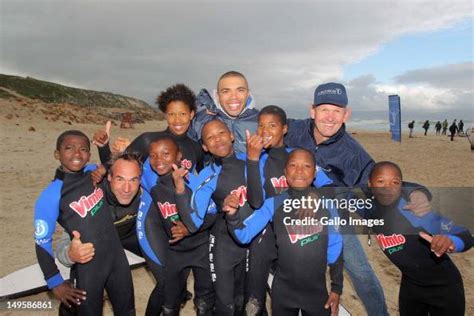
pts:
[421, 50]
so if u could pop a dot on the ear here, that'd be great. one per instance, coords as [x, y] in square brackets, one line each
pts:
[232, 136]
[192, 115]
[56, 154]
[285, 129]
[109, 177]
[312, 112]
[369, 184]
[348, 114]
[204, 147]
[179, 156]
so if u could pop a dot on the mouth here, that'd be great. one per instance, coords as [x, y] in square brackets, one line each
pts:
[235, 106]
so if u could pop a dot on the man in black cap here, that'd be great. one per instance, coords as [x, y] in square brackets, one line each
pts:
[347, 163]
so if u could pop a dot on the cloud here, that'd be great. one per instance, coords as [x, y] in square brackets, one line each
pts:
[140, 48]
[435, 93]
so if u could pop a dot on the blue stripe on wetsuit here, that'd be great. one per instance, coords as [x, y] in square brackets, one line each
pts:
[334, 240]
[46, 215]
[145, 203]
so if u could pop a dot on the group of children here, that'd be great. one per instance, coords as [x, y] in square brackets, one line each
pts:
[225, 222]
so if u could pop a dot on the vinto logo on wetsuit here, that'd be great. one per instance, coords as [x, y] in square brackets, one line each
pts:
[305, 233]
[91, 203]
[242, 192]
[391, 243]
[186, 164]
[168, 210]
[279, 184]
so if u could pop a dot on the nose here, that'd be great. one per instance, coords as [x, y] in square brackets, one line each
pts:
[126, 187]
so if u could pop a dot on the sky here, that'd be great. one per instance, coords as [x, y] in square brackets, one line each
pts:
[420, 50]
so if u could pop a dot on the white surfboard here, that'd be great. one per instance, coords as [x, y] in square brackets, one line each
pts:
[342, 310]
[30, 280]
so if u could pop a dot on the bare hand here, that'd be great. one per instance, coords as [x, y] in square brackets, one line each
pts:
[440, 244]
[333, 303]
[231, 203]
[418, 204]
[255, 145]
[102, 137]
[69, 295]
[178, 231]
[79, 252]
[98, 174]
[178, 178]
[119, 145]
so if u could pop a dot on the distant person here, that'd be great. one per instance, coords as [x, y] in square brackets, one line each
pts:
[460, 127]
[426, 126]
[438, 128]
[445, 127]
[453, 129]
[411, 125]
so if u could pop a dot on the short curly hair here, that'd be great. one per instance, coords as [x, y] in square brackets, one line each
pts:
[177, 92]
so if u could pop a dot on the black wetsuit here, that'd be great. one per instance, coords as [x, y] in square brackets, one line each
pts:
[76, 204]
[228, 258]
[266, 179]
[303, 252]
[191, 252]
[430, 284]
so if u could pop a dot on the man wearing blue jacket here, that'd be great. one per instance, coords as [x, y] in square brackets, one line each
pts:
[231, 103]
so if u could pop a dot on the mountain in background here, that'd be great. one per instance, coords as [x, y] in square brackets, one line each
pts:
[52, 96]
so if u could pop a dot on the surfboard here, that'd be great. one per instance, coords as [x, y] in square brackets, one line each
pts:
[342, 310]
[30, 280]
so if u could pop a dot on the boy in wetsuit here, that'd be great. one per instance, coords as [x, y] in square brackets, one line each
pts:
[303, 251]
[266, 159]
[183, 251]
[431, 284]
[73, 201]
[226, 174]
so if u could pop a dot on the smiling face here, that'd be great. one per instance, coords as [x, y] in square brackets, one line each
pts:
[328, 119]
[386, 185]
[217, 139]
[163, 154]
[300, 169]
[270, 125]
[124, 179]
[73, 153]
[233, 92]
[178, 117]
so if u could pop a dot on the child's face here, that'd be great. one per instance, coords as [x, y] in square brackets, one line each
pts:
[300, 170]
[269, 125]
[73, 153]
[217, 139]
[163, 154]
[178, 117]
[386, 185]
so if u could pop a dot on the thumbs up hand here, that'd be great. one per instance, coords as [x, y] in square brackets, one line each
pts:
[102, 137]
[440, 244]
[255, 145]
[79, 252]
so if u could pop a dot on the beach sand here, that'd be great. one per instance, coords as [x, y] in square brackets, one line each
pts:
[27, 166]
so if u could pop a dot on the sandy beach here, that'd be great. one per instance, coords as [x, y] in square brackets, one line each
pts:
[27, 166]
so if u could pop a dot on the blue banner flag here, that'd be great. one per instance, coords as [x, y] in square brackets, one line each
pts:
[395, 117]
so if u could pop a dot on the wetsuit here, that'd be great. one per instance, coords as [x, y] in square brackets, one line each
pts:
[154, 246]
[430, 284]
[228, 258]
[124, 217]
[76, 204]
[303, 253]
[190, 252]
[265, 180]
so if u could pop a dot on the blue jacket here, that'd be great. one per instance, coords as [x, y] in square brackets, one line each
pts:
[247, 119]
[341, 156]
